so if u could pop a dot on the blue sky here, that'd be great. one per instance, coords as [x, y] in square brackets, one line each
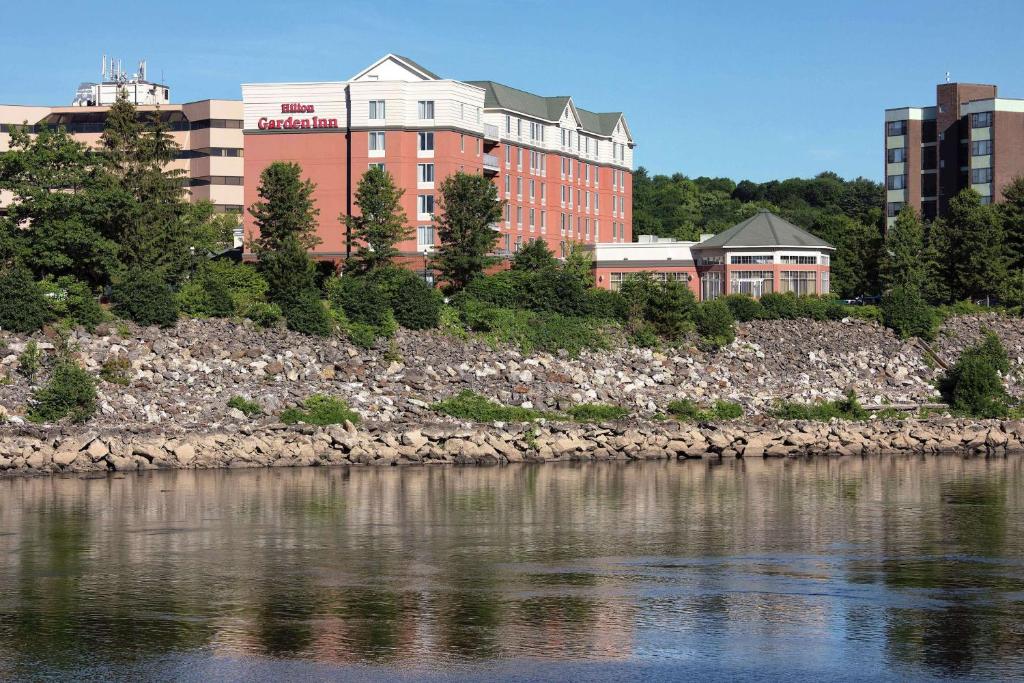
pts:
[755, 90]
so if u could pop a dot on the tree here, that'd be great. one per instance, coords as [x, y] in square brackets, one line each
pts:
[1012, 212]
[854, 264]
[469, 205]
[977, 252]
[901, 264]
[938, 267]
[579, 264]
[286, 217]
[381, 223]
[534, 256]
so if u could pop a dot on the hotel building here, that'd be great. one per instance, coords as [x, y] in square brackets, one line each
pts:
[209, 132]
[968, 138]
[564, 172]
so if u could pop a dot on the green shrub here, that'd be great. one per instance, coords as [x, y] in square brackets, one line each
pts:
[689, 411]
[70, 392]
[557, 291]
[23, 308]
[143, 297]
[72, 300]
[644, 336]
[775, 306]
[715, 324]
[116, 370]
[471, 406]
[451, 322]
[507, 289]
[820, 308]
[193, 300]
[360, 298]
[597, 412]
[263, 314]
[362, 335]
[639, 290]
[671, 310]
[534, 256]
[248, 407]
[533, 331]
[221, 304]
[848, 408]
[606, 304]
[907, 314]
[974, 385]
[870, 313]
[416, 305]
[744, 307]
[29, 360]
[306, 314]
[319, 409]
[242, 281]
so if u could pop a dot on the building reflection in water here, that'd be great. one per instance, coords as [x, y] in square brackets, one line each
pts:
[909, 564]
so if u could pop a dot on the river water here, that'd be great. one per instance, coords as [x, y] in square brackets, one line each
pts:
[887, 567]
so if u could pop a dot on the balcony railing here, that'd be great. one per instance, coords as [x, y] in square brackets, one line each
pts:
[491, 133]
[491, 163]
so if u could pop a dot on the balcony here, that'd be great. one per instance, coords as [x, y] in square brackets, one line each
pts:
[491, 133]
[491, 164]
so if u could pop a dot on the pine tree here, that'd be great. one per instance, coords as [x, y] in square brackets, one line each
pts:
[977, 251]
[469, 205]
[901, 263]
[1012, 212]
[936, 288]
[380, 225]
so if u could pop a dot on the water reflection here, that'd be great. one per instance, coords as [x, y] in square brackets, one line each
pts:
[881, 566]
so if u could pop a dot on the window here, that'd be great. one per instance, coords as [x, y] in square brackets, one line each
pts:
[508, 123]
[825, 260]
[824, 283]
[896, 128]
[425, 204]
[798, 260]
[425, 235]
[543, 193]
[981, 148]
[896, 182]
[893, 208]
[981, 175]
[519, 186]
[533, 189]
[896, 156]
[799, 282]
[756, 283]
[710, 260]
[746, 259]
[508, 157]
[711, 286]
[982, 119]
[426, 109]
[508, 184]
[376, 143]
[378, 166]
[462, 143]
[533, 216]
[426, 142]
[519, 158]
[519, 216]
[508, 214]
[543, 220]
[425, 173]
[376, 109]
[986, 199]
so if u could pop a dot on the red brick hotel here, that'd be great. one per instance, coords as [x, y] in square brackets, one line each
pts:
[564, 172]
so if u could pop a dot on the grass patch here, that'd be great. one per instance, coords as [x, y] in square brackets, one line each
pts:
[689, 411]
[848, 408]
[596, 412]
[319, 409]
[116, 370]
[468, 405]
[248, 407]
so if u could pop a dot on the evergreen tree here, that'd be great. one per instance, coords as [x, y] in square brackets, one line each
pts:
[286, 218]
[469, 205]
[1012, 213]
[534, 256]
[977, 251]
[901, 263]
[380, 225]
[936, 288]
[854, 263]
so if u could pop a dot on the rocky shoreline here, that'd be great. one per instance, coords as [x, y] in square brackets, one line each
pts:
[497, 444]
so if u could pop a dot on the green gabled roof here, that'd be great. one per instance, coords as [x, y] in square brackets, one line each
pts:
[419, 67]
[501, 96]
[764, 229]
[602, 124]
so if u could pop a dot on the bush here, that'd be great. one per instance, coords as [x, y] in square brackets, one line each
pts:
[821, 308]
[557, 291]
[29, 360]
[248, 407]
[639, 290]
[715, 324]
[307, 315]
[744, 307]
[533, 331]
[597, 412]
[775, 306]
[362, 335]
[320, 410]
[907, 314]
[361, 299]
[70, 392]
[870, 313]
[687, 410]
[507, 289]
[116, 370]
[23, 308]
[471, 406]
[72, 300]
[848, 408]
[416, 305]
[263, 314]
[974, 384]
[242, 281]
[671, 309]
[534, 256]
[644, 336]
[605, 304]
[144, 298]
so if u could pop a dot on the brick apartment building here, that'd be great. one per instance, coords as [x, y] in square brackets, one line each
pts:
[209, 132]
[969, 138]
[565, 172]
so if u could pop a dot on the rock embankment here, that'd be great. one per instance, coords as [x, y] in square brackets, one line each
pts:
[462, 444]
[181, 379]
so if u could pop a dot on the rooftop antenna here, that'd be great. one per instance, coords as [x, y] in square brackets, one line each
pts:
[947, 77]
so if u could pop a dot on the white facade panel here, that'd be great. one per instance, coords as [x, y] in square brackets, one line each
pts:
[264, 101]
